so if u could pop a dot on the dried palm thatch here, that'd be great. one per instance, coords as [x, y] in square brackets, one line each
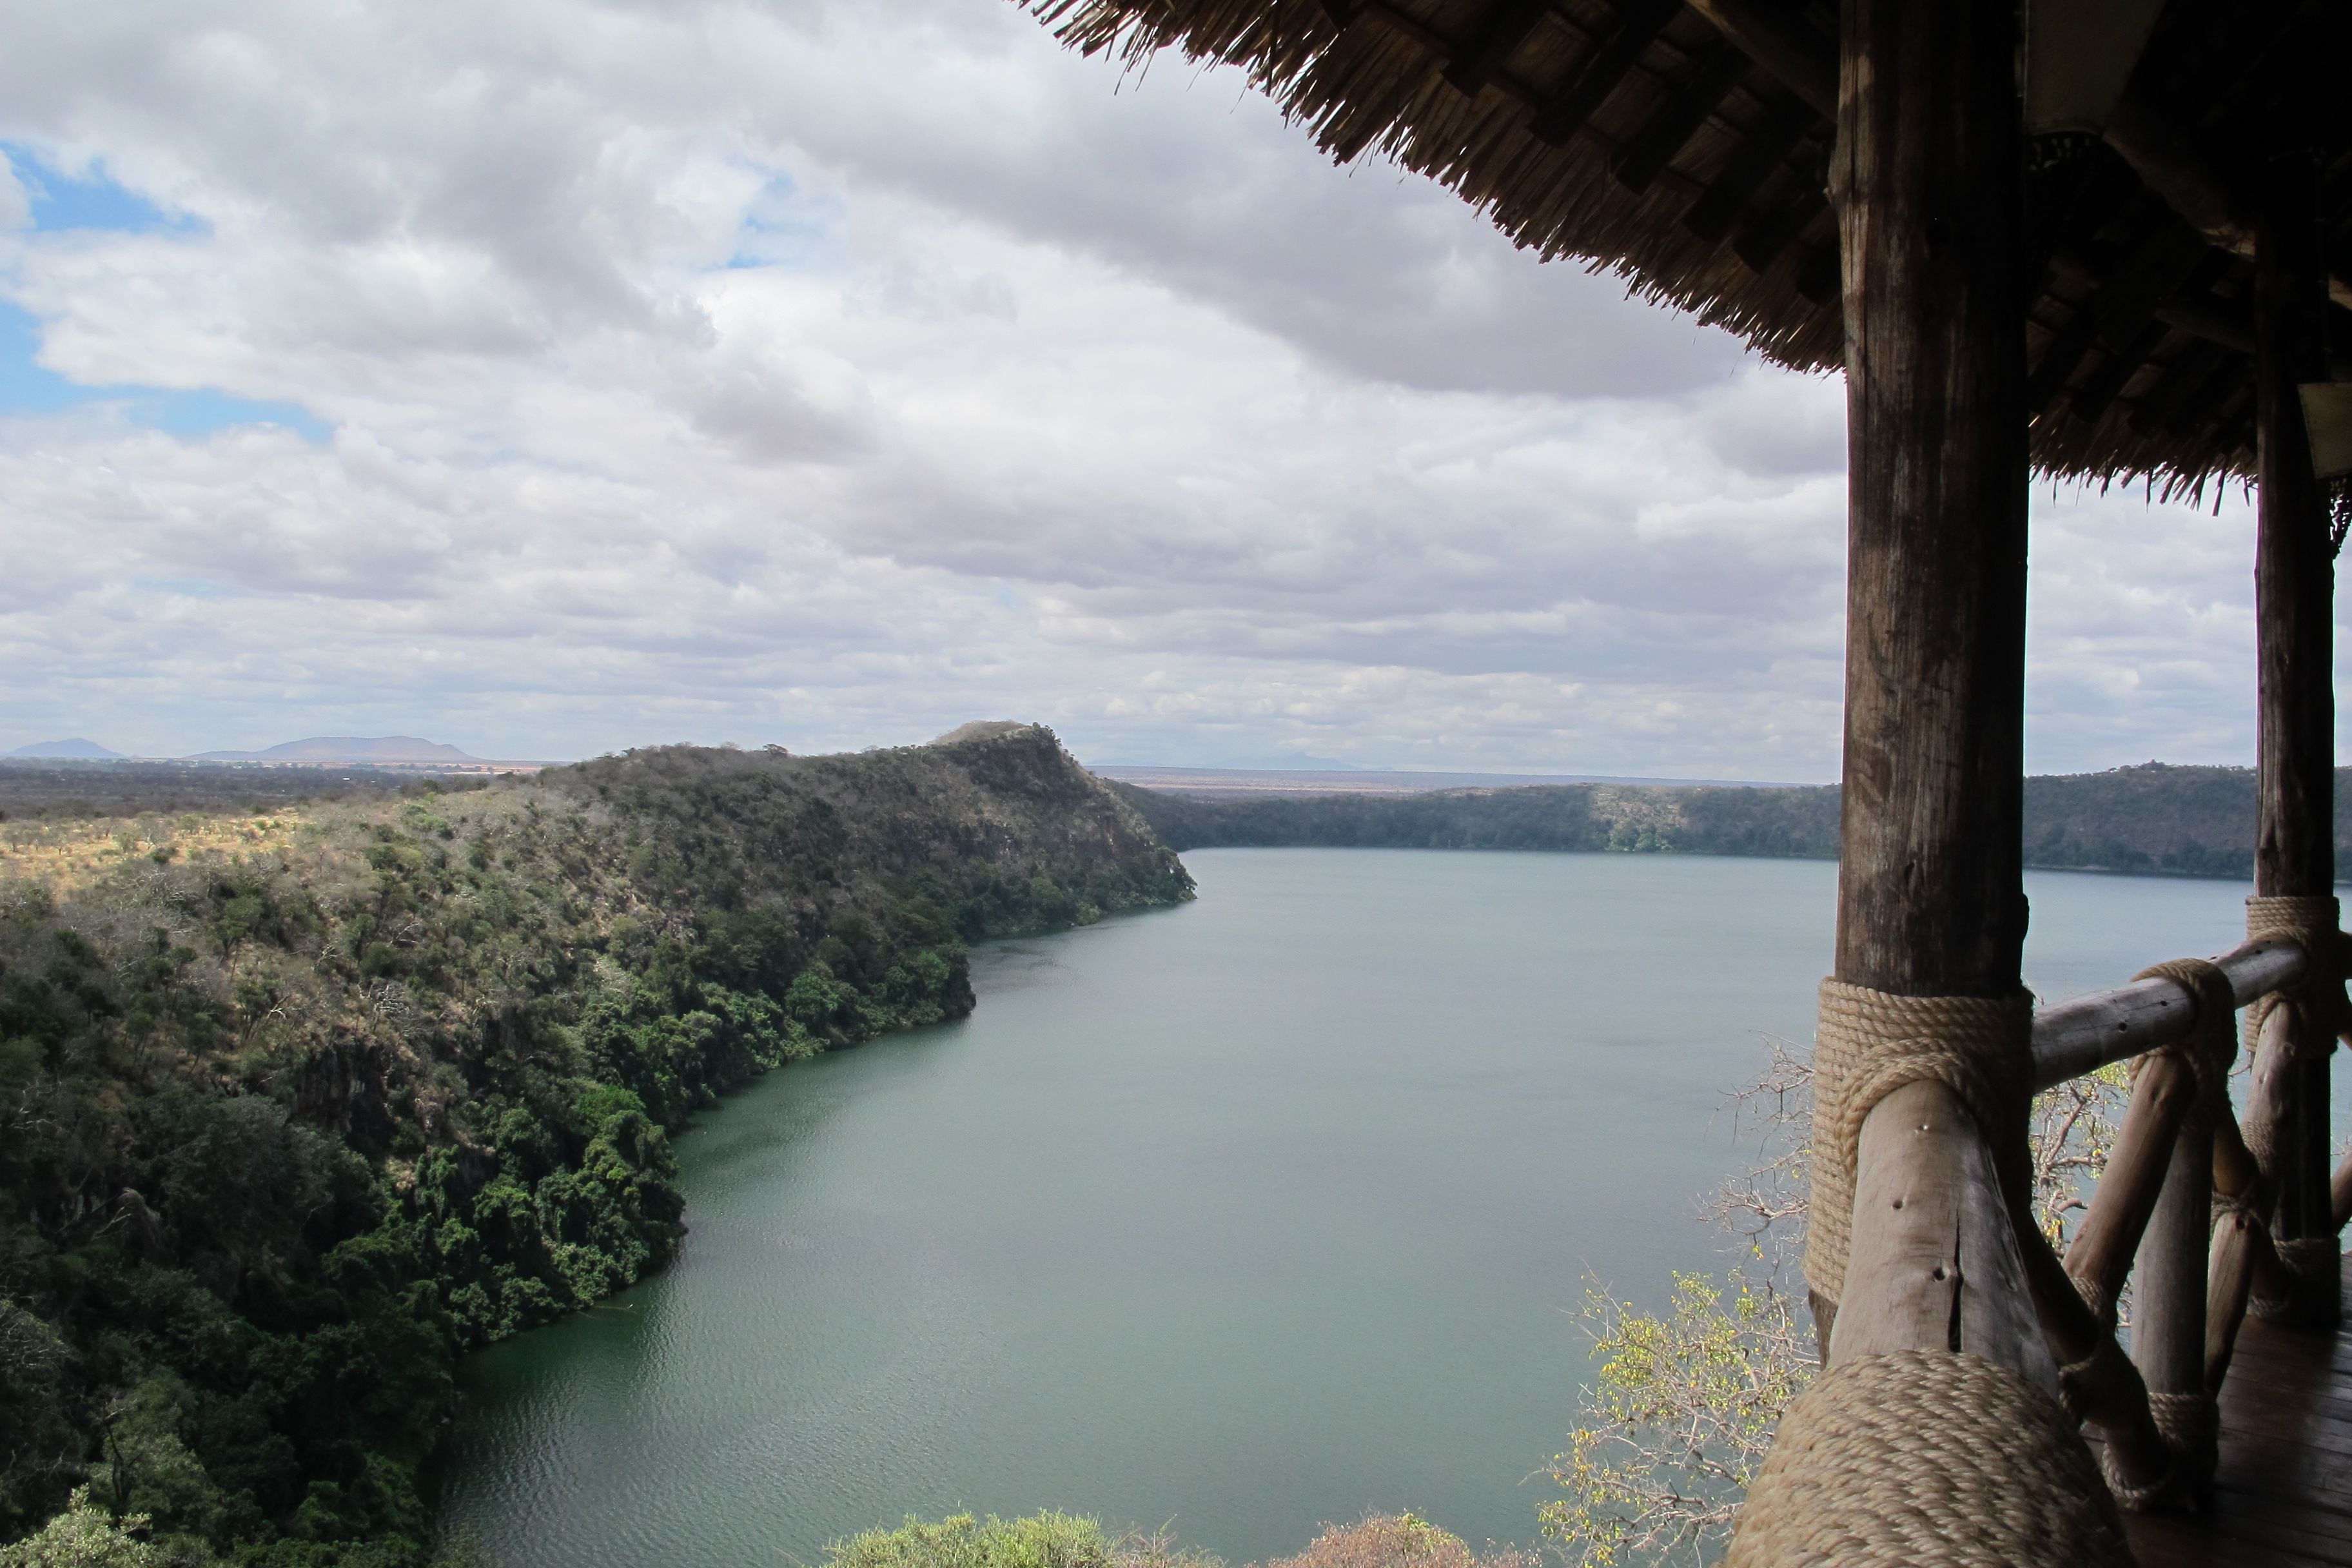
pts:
[1685, 148]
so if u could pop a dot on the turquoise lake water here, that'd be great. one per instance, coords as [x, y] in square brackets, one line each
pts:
[1239, 1217]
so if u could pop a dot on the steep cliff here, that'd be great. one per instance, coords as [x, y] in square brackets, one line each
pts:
[294, 1108]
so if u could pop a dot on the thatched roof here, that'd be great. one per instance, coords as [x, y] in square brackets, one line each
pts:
[1637, 136]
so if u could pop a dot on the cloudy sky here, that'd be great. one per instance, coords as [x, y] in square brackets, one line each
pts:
[549, 377]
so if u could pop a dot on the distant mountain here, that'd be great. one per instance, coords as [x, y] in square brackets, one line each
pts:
[89, 750]
[346, 749]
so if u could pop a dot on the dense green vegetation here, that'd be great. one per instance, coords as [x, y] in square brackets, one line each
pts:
[2196, 821]
[291, 1117]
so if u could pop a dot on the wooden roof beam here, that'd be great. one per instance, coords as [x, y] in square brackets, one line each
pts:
[2168, 399]
[1491, 43]
[2158, 265]
[2207, 320]
[1785, 119]
[2192, 185]
[1670, 128]
[1638, 25]
[2106, 381]
[1769, 233]
[1776, 40]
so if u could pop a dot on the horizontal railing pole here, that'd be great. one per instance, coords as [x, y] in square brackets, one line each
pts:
[2071, 1038]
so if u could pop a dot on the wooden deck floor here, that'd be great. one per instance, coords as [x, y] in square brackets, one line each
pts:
[2284, 1493]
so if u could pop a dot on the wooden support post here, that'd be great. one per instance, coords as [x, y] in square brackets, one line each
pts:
[2108, 1389]
[2295, 853]
[2137, 1177]
[1935, 1258]
[2243, 1264]
[1930, 901]
[2169, 1322]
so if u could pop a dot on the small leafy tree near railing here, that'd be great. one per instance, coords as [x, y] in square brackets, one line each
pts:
[1688, 1398]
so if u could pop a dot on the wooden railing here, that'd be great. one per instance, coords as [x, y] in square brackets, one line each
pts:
[2184, 1214]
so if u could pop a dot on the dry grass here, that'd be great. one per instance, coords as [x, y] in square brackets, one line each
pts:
[67, 855]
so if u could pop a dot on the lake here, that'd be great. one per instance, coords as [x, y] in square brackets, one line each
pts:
[1239, 1217]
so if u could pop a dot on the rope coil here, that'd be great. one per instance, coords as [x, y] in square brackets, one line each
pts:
[2318, 1017]
[1872, 1043]
[2191, 1425]
[2311, 1259]
[2210, 1045]
[2311, 922]
[1930, 1458]
[2078, 1379]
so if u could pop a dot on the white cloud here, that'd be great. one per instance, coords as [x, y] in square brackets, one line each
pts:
[833, 371]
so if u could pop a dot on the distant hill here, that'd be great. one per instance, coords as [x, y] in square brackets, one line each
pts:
[1226, 783]
[76, 749]
[347, 749]
[2154, 819]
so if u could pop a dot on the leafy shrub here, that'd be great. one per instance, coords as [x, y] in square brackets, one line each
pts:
[1039, 1541]
[1397, 1540]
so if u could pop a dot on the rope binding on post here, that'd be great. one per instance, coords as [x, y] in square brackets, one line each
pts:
[1932, 1458]
[2312, 922]
[1872, 1043]
[2188, 1420]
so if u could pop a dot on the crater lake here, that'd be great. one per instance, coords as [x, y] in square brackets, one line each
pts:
[1269, 1210]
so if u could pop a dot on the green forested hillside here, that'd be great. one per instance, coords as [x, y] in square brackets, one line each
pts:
[2181, 821]
[297, 1106]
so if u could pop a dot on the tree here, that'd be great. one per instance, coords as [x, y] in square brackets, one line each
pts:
[1688, 1398]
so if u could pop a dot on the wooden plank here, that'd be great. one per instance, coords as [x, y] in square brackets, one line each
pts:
[2245, 1534]
[2317, 1427]
[2283, 1491]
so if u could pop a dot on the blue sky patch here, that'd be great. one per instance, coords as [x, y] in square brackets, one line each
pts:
[92, 200]
[783, 228]
[25, 388]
